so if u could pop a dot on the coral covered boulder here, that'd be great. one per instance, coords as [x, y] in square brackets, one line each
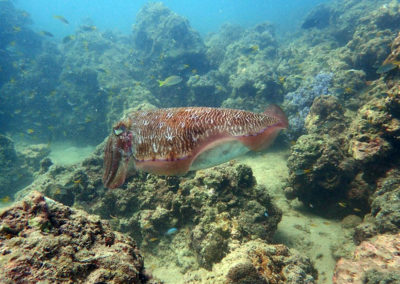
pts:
[374, 261]
[42, 240]
[257, 262]
[158, 31]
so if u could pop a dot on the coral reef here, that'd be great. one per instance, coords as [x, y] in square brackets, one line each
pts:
[385, 208]
[42, 240]
[298, 103]
[13, 173]
[257, 262]
[374, 261]
[339, 91]
[211, 210]
[247, 67]
[354, 154]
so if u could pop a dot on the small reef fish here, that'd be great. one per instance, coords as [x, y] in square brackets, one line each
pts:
[173, 141]
[342, 204]
[170, 81]
[255, 48]
[302, 172]
[183, 67]
[46, 33]
[88, 28]
[384, 68]
[5, 199]
[153, 240]
[16, 29]
[61, 19]
[30, 131]
[171, 231]
[68, 38]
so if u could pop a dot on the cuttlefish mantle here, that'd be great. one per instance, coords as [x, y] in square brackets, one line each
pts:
[173, 141]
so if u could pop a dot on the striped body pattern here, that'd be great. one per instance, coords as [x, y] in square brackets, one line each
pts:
[171, 134]
[172, 141]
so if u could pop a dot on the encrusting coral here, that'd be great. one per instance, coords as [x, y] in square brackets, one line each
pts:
[43, 240]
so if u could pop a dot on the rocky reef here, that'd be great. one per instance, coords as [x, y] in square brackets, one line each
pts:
[337, 79]
[43, 240]
[338, 164]
[257, 262]
[18, 168]
[212, 224]
[375, 261]
[210, 210]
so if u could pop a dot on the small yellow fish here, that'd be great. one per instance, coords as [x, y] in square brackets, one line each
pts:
[16, 29]
[61, 19]
[5, 199]
[357, 210]
[300, 172]
[89, 28]
[342, 204]
[68, 38]
[78, 181]
[255, 48]
[170, 81]
[30, 131]
[348, 91]
[326, 223]
[58, 191]
[17, 111]
[46, 33]
[147, 226]
[194, 71]
[282, 79]
[153, 240]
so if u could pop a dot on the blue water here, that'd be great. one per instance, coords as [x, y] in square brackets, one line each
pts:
[204, 15]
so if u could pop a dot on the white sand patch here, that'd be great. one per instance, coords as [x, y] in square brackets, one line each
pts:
[66, 154]
[299, 229]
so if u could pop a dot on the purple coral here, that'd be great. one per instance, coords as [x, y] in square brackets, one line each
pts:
[300, 101]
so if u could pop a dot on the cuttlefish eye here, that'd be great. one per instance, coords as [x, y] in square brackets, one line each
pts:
[119, 130]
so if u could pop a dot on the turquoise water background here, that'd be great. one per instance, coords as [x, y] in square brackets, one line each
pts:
[204, 15]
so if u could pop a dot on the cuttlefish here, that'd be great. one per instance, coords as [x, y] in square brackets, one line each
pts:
[173, 141]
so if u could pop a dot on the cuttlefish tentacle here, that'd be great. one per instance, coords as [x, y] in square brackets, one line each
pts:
[117, 154]
[175, 140]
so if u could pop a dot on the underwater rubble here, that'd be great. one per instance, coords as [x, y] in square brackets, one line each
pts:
[43, 240]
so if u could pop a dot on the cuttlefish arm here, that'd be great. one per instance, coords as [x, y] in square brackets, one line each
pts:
[117, 154]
